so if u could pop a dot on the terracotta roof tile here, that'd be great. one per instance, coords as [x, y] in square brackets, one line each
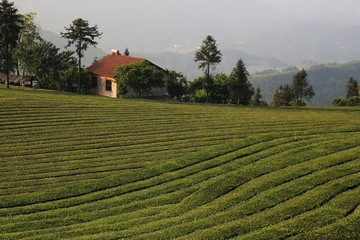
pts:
[106, 66]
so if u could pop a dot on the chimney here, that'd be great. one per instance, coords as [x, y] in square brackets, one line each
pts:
[115, 52]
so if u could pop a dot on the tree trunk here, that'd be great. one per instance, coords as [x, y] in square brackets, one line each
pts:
[79, 77]
[238, 100]
[207, 82]
[7, 79]
[7, 67]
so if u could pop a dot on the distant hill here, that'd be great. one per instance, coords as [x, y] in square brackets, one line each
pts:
[181, 62]
[185, 62]
[329, 81]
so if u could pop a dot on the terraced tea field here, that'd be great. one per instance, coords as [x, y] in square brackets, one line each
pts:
[87, 167]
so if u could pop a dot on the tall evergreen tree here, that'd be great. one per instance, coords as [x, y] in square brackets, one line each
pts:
[10, 27]
[208, 56]
[301, 88]
[82, 35]
[239, 85]
[352, 88]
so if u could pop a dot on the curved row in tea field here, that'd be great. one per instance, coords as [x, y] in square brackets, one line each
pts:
[86, 167]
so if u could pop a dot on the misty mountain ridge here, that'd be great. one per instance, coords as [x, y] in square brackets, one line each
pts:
[181, 62]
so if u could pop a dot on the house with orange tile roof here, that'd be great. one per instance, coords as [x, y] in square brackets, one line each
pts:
[103, 76]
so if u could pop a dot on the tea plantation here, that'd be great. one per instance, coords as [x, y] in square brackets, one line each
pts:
[89, 167]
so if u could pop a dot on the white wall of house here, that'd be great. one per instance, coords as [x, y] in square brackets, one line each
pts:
[105, 87]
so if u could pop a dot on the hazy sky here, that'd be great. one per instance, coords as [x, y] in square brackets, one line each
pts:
[123, 22]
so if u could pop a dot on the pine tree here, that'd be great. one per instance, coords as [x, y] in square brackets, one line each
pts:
[283, 96]
[11, 24]
[239, 85]
[256, 101]
[352, 88]
[301, 88]
[208, 56]
[82, 35]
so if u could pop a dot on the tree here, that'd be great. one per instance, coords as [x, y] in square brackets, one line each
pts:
[82, 35]
[239, 85]
[44, 61]
[10, 27]
[127, 53]
[28, 35]
[141, 77]
[257, 99]
[352, 88]
[220, 92]
[208, 56]
[177, 85]
[283, 96]
[301, 88]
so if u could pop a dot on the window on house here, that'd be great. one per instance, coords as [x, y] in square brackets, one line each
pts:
[108, 85]
[94, 82]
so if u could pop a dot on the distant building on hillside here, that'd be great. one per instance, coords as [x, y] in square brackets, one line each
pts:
[17, 80]
[103, 76]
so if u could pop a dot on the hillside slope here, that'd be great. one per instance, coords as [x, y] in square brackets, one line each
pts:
[87, 167]
[329, 81]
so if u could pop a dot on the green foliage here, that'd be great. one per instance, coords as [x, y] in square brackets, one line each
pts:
[208, 56]
[68, 80]
[28, 35]
[352, 88]
[300, 88]
[11, 24]
[140, 77]
[283, 96]
[220, 92]
[293, 95]
[199, 96]
[240, 87]
[352, 101]
[257, 98]
[81, 35]
[45, 62]
[177, 85]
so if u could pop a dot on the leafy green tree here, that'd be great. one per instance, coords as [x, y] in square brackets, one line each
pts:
[352, 88]
[199, 96]
[67, 80]
[239, 85]
[177, 85]
[44, 60]
[301, 88]
[220, 92]
[11, 24]
[127, 53]
[195, 85]
[28, 35]
[140, 77]
[81, 35]
[208, 56]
